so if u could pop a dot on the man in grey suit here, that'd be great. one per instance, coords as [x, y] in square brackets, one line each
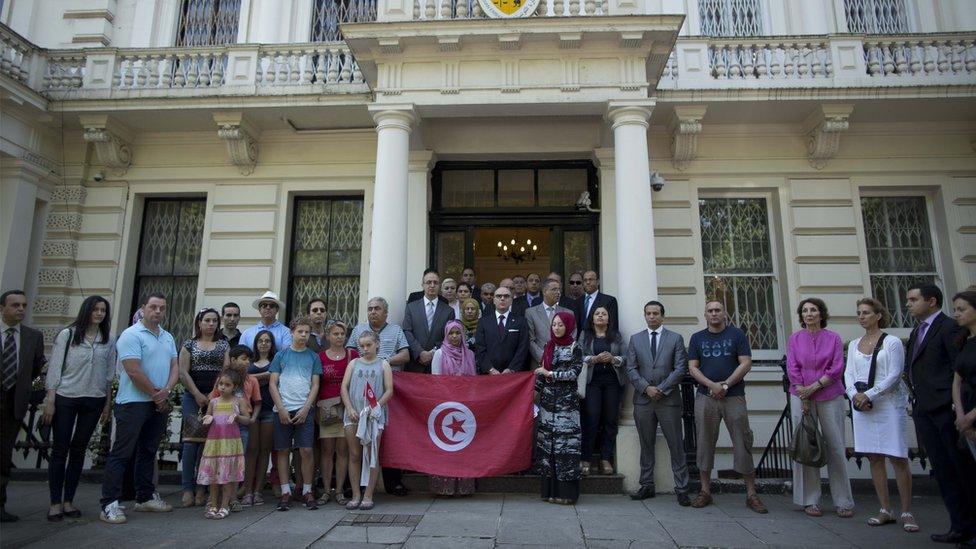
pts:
[423, 323]
[539, 318]
[656, 362]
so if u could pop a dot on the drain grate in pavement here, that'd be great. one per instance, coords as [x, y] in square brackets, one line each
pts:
[362, 519]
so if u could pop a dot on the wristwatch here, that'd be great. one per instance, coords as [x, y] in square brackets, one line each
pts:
[725, 387]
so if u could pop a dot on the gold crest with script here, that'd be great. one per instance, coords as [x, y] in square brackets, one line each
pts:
[508, 9]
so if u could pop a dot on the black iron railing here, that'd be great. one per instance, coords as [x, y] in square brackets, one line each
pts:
[776, 461]
[688, 387]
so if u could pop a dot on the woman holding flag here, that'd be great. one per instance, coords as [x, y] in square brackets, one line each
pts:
[558, 429]
[367, 386]
[452, 359]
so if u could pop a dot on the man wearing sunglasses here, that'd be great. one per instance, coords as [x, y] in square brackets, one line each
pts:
[318, 316]
[574, 290]
[268, 306]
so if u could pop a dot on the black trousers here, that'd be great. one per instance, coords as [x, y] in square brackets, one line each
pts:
[954, 468]
[138, 428]
[602, 405]
[74, 422]
[9, 427]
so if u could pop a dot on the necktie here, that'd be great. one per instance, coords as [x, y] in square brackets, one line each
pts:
[653, 345]
[549, 313]
[9, 359]
[586, 306]
[430, 314]
[501, 326]
[923, 328]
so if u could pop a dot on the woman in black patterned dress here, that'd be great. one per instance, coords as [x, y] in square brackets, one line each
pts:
[557, 437]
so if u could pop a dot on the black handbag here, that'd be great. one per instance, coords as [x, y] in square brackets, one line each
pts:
[809, 446]
[193, 429]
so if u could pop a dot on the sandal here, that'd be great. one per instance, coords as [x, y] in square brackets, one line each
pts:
[187, 500]
[884, 517]
[366, 505]
[211, 513]
[585, 468]
[908, 523]
[258, 498]
[341, 498]
[222, 513]
[326, 496]
[813, 511]
[353, 504]
[845, 513]
[606, 468]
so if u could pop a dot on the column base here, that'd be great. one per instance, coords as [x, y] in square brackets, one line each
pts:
[628, 460]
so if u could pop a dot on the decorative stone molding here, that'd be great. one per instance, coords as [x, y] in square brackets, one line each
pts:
[69, 194]
[49, 334]
[38, 161]
[510, 41]
[59, 249]
[684, 128]
[570, 40]
[449, 43]
[823, 128]
[51, 305]
[55, 276]
[111, 142]
[241, 138]
[64, 222]
[631, 39]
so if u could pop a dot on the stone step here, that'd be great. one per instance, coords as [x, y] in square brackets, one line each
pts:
[526, 484]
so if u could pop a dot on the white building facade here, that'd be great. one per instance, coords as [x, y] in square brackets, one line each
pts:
[215, 149]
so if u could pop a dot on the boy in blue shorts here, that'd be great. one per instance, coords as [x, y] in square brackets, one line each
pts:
[294, 386]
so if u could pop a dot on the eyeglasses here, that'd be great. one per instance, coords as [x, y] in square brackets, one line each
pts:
[575, 282]
[267, 305]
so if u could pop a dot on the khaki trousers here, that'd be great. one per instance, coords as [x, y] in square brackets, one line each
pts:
[831, 415]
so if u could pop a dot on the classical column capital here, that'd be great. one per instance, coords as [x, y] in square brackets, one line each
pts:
[393, 116]
[622, 113]
[111, 141]
[684, 128]
[823, 128]
[241, 137]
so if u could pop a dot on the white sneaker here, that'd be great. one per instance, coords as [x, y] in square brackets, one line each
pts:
[155, 505]
[113, 513]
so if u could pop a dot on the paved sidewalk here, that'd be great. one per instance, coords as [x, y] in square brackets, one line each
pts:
[480, 521]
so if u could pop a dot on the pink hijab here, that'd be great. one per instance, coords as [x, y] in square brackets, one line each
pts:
[456, 361]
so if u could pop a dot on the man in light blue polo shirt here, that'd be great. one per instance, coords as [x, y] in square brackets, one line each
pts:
[149, 372]
[268, 306]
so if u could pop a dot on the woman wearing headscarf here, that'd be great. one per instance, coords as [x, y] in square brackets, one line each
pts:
[557, 437]
[470, 313]
[453, 358]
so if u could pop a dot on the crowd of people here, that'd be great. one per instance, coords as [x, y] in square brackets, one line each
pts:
[314, 393]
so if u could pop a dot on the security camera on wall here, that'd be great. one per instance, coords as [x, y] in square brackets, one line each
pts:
[657, 181]
[99, 176]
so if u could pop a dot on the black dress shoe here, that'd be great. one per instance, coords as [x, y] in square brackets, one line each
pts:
[74, 513]
[7, 517]
[643, 493]
[949, 537]
[56, 517]
[683, 499]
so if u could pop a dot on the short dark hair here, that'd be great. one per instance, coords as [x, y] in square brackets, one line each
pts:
[576, 273]
[299, 321]
[518, 276]
[466, 285]
[430, 270]
[657, 304]
[225, 306]
[819, 304]
[3, 297]
[308, 307]
[156, 295]
[928, 291]
[241, 350]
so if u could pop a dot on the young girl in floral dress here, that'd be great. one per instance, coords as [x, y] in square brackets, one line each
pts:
[222, 464]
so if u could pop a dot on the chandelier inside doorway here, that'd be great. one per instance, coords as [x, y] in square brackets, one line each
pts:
[516, 250]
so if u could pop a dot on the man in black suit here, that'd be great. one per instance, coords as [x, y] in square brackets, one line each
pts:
[21, 360]
[593, 298]
[501, 341]
[423, 323]
[468, 277]
[929, 363]
[532, 296]
[487, 297]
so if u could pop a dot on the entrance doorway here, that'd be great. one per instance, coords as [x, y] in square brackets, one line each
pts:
[479, 208]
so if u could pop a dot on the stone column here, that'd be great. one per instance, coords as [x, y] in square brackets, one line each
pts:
[388, 238]
[418, 227]
[636, 270]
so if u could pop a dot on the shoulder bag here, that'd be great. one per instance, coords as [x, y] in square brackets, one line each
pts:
[330, 410]
[809, 447]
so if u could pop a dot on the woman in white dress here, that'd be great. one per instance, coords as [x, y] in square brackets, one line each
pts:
[880, 408]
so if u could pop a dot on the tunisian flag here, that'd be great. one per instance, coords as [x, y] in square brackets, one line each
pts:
[459, 426]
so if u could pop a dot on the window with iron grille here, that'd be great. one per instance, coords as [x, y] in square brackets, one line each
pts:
[169, 259]
[738, 265]
[876, 16]
[899, 245]
[327, 14]
[327, 245]
[208, 22]
[730, 17]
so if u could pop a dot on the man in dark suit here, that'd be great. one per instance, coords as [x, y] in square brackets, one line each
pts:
[532, 296]
[656, 362]
[21, 360]
[929, 363]
[593, 298]
[487, 297]
[423, 323]
[468, 277]
[501, 341]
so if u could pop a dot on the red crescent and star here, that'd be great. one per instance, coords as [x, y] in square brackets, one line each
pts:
[456, 426]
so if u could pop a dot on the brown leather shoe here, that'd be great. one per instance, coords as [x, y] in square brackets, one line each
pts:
[753, 502]
[703, 499]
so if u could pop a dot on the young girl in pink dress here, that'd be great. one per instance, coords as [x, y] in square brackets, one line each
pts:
[222, 464]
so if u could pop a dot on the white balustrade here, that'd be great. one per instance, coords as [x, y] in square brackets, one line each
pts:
[920, 56]
[16, 55]
[64, 70]
[326, 63]
[774, 60]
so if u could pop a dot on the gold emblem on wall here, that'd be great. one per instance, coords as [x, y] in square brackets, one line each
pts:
[508, 9]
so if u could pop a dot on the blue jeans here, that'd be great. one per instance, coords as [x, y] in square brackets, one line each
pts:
[190, 457]
[138, 428]
[75, 419]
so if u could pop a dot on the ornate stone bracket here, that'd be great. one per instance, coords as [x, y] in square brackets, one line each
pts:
[685, 126]
[823, 128]
[111, 142]
[241, 138]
